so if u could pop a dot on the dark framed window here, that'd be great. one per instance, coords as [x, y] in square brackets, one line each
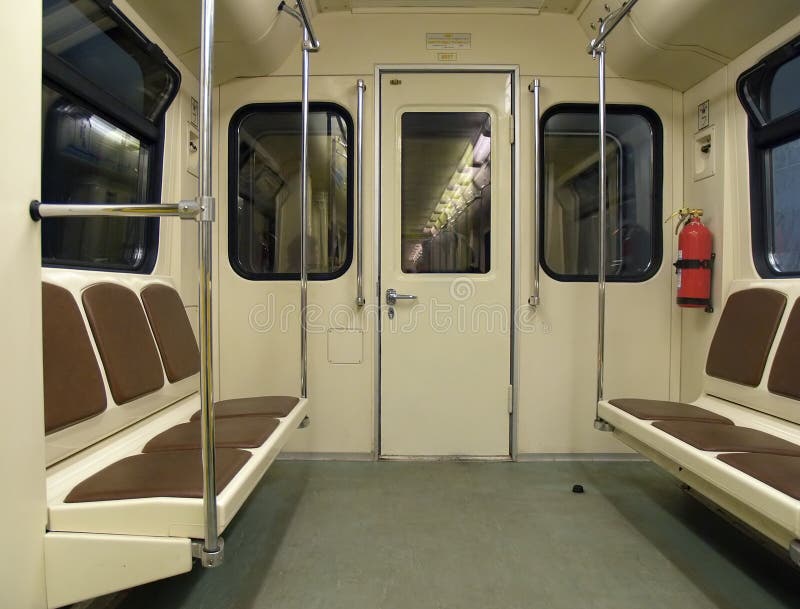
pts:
[570, 203]
[770, 94]
[105, 91]
[446, 192]
[264, 191]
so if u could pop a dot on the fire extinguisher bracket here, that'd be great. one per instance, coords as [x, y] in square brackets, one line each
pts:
[694, 264]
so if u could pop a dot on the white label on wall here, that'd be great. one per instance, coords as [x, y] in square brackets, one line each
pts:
[448, 40]
[195, 113]
[447, 56]
[703, 115]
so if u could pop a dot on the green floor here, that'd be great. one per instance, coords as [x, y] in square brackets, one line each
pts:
[454, 535]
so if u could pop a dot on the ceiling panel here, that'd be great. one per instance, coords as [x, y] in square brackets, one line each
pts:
[551, 6]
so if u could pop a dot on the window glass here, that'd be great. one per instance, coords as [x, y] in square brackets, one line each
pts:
[115, 58]
[446, 192]
[265, 192]
[104, 92]
[770, 94]
[570, 193]
[784, 92]
[86, 159]
[784, 221]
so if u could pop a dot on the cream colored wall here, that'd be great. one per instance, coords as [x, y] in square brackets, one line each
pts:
[177, 243]
[258, 337]
[725, 197]
[23, 509]
[557, 360]
[546, 44]
[555, 404]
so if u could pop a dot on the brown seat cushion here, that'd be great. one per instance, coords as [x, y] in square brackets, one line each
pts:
[73, 386]
[172, 330]
[778, 471]
[658, 410]
[727, 438]
[124, 341]
[177, 473]
[744, 335]
[783, 377]
[235, 432]
[270, 405]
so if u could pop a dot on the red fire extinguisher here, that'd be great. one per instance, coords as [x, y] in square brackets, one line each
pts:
[695, 260]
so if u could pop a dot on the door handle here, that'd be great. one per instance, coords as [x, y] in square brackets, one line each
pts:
[392, 297]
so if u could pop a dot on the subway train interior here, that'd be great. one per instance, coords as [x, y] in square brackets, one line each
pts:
[430, 304]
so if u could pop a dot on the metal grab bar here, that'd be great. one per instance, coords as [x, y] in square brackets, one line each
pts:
[211, 552]
[360, 300]
[609, 23]
[304, 221]
[185, 209]
[601, 240]
[310, 42]
[597, 48]
[534, 87]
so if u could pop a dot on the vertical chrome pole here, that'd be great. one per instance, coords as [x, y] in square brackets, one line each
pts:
[601, 237]
[537, 190]
[360, 301]
[212, 551]
[304, 222]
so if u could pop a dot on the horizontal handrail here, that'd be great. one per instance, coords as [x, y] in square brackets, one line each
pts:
[608, 25]
[184, 209]
[300, 13]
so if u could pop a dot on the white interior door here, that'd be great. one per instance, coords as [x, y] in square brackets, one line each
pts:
[445, 241]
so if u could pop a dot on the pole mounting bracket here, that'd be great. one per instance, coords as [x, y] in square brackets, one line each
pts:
[209, 559]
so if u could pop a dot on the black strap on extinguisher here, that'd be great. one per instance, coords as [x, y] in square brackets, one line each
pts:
[694, 264]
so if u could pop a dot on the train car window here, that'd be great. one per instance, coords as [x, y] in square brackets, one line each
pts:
[105, 91]
[446, 192]
[264, 184]
[570, 170]
[770, 94]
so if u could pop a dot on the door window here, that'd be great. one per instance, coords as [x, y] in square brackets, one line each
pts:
[446, 192]
[264, 241]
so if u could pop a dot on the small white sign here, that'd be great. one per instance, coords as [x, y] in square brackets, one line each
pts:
[447, 56]
[703, 115]
[448, 40]
[195, 113]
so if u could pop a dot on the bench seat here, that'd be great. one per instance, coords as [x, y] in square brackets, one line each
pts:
[745, 457]
[174, 473]
[659, 410]
[268, 405]
[781, 472]
[774, 505]
[727, 438]
[237, 432]
[156, 516]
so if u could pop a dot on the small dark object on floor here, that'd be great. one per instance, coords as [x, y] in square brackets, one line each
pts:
[577, 488]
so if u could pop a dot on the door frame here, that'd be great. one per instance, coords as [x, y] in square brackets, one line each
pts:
[513, 72]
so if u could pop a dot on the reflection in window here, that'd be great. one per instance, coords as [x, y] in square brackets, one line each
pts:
[770, 93]
[265, 202]
[571, 198]
[89, 160]
[105, 90]
[84, 35]
[784, 226]
[446, 192]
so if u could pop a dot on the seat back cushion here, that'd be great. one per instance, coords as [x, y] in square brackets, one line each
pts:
[744, 335]
[172, 330]
[784, 378]
[124, 341]
[73, 386]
